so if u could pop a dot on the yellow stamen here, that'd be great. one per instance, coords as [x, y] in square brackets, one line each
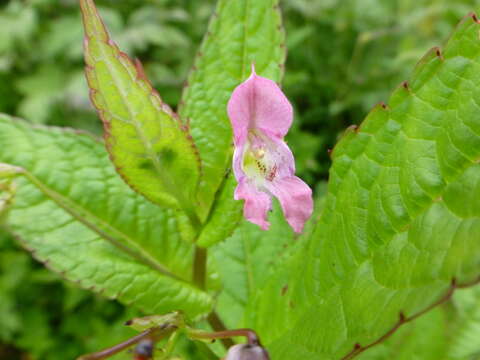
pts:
[259, 153]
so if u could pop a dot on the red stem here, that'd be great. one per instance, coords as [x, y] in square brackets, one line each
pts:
[358, 349]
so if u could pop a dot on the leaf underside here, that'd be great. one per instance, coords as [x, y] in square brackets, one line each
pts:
[402, 216]
[78, 217]
[147, 142]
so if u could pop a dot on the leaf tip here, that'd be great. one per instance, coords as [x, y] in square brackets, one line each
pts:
[92, 22]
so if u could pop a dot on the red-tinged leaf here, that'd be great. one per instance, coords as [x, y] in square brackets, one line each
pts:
[148, 145]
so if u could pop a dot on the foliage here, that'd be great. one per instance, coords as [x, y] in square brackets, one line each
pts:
[449, 332]
[398, 226]
[394, 183]
[48, 317]
[346, 56]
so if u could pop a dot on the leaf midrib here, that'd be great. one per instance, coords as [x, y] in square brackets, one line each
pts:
[420, 212]
[310, 309]
[102, 228]
[163, 175]
[406, 229]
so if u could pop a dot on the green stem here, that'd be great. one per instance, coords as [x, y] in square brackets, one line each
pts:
[200, 267]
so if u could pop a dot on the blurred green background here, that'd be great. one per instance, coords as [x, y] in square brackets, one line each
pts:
[344, 57]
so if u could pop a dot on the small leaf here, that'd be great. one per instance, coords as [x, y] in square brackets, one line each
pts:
[240, 33]
[144, 323]
[74, 213]
[149, 146]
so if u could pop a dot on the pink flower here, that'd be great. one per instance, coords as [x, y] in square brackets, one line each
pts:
[262, 162]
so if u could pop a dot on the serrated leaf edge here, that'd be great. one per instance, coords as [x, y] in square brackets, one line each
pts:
[155, 98]
[353, 130]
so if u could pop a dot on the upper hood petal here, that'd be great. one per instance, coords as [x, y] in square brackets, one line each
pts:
[258, 103]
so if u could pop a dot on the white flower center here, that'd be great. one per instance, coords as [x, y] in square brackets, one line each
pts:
[258, 164]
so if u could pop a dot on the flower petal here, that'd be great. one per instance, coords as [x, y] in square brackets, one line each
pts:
[237, 162]
[282, 155]
[258, 103]
[296, 200]
[256, 205]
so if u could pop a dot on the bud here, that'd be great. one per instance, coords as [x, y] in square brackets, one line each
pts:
[247, 352]
[144, 349]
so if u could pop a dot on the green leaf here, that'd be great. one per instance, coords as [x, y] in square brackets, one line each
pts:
[244, 262]
[173, 319]
[224, 217]
[424, 339]
[247, 259]
[76, 215]
[401, 219]
[464, 339]
[240, 33]
[148, 144]
[7, 188]
[449, 332]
